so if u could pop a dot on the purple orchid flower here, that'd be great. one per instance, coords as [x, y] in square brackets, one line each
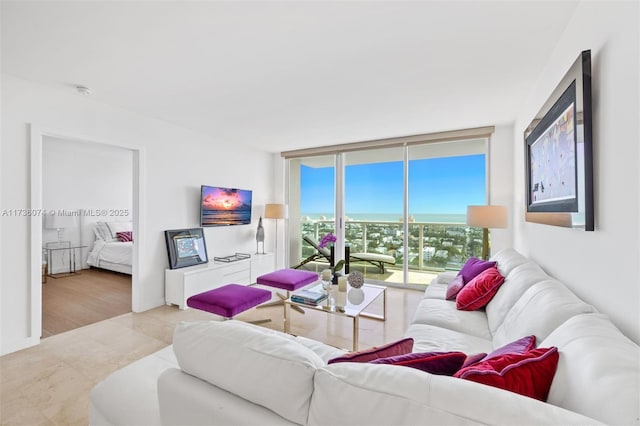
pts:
[329, 238]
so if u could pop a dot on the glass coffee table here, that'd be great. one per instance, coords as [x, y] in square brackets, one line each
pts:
[351, 303]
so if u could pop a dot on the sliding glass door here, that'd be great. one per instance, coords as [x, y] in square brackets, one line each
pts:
[443, 179]
[374, 212]
[312, 208]
[399, 210]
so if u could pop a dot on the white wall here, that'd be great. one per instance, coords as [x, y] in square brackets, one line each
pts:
[602, 267]
[86, 177]
[501, 183]
[175, 162]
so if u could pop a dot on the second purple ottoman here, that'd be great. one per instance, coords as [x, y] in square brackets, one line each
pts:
[286, 279]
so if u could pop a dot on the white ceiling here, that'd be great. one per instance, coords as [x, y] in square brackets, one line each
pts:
[289, 75]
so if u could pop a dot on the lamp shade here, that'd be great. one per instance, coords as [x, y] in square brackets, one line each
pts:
[276, 211]
[60, 221]
[487, 216]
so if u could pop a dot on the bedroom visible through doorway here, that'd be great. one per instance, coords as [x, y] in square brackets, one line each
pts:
[87, 197]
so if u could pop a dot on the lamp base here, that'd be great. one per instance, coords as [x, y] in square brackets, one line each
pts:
[485, 243]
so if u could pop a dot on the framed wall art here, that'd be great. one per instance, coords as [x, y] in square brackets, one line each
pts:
[559, 154]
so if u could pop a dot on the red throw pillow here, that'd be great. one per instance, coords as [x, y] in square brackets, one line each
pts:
[443, 363]
[400, 347]
[529, 374]
[480, 290]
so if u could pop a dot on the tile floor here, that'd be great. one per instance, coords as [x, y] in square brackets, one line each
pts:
[49, 384]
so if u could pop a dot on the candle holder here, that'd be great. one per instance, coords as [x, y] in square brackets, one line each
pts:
[326, 279]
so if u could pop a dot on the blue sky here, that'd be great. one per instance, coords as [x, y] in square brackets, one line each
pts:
[437, 185]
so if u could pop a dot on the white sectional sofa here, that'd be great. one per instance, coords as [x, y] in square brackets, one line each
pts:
[224, 373]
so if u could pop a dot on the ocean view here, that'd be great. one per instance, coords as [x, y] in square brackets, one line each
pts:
[392, 217]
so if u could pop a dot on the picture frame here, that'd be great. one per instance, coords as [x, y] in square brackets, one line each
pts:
[186, 247]
[551, 158]
[558, 148]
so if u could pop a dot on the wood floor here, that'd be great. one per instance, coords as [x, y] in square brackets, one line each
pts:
[78, 300]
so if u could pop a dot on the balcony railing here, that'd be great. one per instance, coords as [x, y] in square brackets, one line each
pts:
[432, 246]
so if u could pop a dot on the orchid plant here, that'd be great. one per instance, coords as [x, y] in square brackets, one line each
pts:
[327, 241]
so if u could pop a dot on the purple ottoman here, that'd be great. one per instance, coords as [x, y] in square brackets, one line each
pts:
[229, 300]
[287, 279]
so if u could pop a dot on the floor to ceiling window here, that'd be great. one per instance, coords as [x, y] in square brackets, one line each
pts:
[400, 209]
[311, 207]
[374, 210]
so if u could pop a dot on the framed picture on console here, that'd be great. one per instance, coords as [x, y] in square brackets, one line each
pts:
[185, 247]
[559, 154]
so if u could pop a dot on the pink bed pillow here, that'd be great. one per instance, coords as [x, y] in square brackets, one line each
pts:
[125, 236]
[480, 290]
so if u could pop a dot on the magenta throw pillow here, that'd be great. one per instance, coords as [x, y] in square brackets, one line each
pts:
[529, 374]
[454, 287]
[442, 363]
[480, 290]
[400, 347]
[473, 266]
[124, 236]
[472, 359]
[520, 346]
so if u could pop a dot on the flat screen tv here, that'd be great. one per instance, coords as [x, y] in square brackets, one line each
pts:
[224, 206]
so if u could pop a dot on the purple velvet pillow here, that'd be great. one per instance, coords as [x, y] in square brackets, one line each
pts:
[473, 267]
[400, 347]
[520, 346]
[443, 363]
[454, 287]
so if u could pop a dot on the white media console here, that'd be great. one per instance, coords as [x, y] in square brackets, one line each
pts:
[180, 284]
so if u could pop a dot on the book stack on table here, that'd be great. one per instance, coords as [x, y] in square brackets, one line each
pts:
[308, 297]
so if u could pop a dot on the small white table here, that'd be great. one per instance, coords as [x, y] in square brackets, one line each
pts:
[339, 304]
[71, 250]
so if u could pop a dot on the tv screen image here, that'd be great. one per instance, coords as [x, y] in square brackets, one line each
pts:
[224, 206]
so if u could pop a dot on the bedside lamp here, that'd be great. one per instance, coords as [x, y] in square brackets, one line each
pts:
[487, 217]
[59, 223]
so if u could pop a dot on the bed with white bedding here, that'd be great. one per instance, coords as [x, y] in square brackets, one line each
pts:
[110, 252]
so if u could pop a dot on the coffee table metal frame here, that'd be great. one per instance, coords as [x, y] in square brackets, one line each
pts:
[331, 306]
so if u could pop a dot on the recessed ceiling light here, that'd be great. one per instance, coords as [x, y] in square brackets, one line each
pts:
[83, 90]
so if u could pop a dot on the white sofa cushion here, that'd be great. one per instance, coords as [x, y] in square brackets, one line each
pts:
[443, 313]
[435, 290]
[128, 396]
[430, 338]
[508, 259]
[597, 373]
[542, 308]
[369, 394]
[263, 366]
[515, 284]
[188, 400]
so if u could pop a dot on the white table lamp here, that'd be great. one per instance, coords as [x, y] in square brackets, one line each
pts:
[276, 211]
[487, 217]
